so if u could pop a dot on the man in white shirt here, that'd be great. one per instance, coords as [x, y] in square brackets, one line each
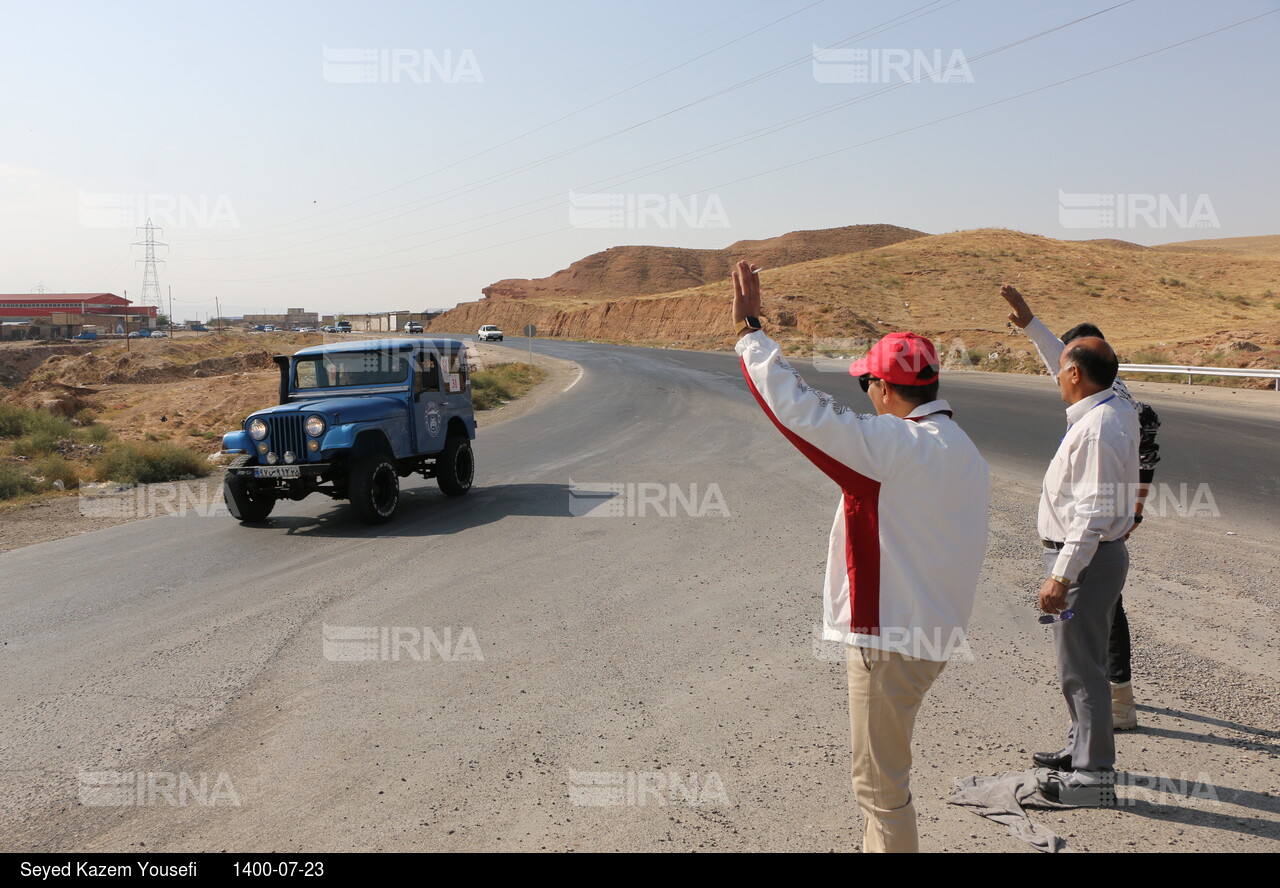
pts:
[1124, 713]
[906, 547]
[1086, 561]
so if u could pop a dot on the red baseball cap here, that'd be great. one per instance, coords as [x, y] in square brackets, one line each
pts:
[900, 358]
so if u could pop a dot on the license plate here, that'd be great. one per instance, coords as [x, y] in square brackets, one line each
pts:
[277, 472]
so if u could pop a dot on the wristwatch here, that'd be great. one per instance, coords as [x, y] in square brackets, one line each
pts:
[753, 322]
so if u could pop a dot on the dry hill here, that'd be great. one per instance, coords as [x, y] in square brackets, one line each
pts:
[1157, 304]
[1264, 246]
[620, 272]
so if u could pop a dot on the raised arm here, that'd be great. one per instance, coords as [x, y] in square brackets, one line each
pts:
[1049, 347]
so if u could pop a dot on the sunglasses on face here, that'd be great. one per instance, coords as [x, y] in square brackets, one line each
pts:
[865, 380]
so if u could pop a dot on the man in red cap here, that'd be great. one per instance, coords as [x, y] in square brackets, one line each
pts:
[906, 547]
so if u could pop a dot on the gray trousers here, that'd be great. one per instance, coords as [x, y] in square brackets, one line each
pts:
[1081, 645]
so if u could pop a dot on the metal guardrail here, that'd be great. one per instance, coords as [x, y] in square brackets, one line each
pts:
[1252, 372]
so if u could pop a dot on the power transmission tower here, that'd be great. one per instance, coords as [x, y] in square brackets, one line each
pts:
[150, 280]
[41, 288]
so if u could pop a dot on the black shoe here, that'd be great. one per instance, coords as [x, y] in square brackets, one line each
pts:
[1053, 760]
[1081, 789]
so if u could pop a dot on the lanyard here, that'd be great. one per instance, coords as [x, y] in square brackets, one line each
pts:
[1099, 404]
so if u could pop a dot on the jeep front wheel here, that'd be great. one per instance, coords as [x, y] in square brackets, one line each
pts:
[455, 467]
[245, 503]
[374, 487]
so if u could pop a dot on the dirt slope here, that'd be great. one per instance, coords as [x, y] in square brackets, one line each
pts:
[621, 272]
[1160, 305]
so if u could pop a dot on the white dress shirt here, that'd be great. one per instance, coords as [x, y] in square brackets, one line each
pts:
[1087, 493]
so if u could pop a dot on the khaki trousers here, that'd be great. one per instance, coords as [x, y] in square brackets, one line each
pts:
[885, 690]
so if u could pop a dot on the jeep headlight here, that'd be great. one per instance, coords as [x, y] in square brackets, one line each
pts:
[315, 426]
[257, 429]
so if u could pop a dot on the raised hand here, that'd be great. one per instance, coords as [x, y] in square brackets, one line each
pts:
[1021, 314]
[746, 293]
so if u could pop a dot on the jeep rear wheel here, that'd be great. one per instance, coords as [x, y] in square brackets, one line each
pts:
[374, 487]
[246, 503]
[455, 467]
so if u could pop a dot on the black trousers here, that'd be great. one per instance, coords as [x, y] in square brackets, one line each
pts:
[1118, 646]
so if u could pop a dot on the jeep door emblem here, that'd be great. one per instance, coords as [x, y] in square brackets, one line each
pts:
[433, 419]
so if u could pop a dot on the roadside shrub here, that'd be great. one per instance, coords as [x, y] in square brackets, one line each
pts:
[95, 434]
[503, 382]
[38, 444]
[148, 463]
[18, 421]
[55, 468]
[14, 482]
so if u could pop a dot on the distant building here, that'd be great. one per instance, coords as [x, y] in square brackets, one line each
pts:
[63, 315]
[386, 321]
[292, 317]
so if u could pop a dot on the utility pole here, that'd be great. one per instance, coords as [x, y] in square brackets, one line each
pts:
[218, 309]
[171, 309]
[150, 280]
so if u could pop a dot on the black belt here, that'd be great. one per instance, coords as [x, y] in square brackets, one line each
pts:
[1050, 544]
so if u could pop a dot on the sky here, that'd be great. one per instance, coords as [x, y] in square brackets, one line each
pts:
[377, 156]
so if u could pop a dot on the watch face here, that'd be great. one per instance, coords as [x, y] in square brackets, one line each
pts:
[752, 322]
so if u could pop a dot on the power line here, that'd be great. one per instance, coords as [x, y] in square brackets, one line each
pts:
[793, 164]
[535, 130]
[439, 197]
[699, 153]
[150, 280]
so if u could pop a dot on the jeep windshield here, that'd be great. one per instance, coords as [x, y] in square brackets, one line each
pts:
[350, 369]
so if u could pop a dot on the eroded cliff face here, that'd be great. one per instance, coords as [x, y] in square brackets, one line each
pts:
[684, 319]
[607, 295]
[628, 271]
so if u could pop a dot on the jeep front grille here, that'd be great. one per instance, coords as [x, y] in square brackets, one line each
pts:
[285, 432]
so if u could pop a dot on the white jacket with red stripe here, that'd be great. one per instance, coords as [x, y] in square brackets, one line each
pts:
[910, 531]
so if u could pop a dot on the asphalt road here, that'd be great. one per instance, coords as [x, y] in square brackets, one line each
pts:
[648, 680]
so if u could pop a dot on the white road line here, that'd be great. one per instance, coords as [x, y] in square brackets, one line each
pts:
[575, 381]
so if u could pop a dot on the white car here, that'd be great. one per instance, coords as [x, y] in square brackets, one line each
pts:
[413, 327]
[159, 334]
[489, 333]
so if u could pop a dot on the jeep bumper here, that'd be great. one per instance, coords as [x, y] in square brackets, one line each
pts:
[281, 471]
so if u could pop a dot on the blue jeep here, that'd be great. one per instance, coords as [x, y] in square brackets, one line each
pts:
[354, 418]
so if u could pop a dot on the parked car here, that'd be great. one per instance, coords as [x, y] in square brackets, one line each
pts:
[489, 333]
[353, 419]
[342, 327]
[159, 334]
[413, 327]
[87, 334]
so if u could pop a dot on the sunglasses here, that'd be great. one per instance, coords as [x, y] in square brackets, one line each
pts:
[865, 380]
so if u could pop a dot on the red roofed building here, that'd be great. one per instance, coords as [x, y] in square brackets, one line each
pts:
[60, 314]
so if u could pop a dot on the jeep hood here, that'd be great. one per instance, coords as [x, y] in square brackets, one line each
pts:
[368, 408]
